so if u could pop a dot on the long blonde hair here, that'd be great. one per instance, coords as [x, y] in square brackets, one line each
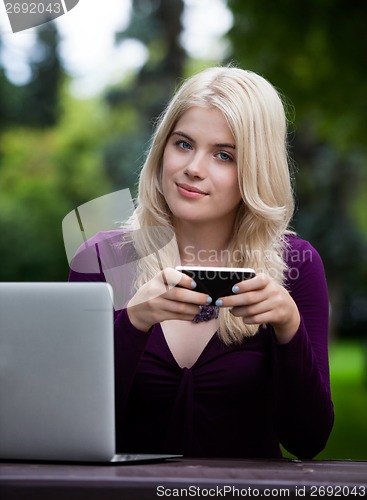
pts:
[256, 117]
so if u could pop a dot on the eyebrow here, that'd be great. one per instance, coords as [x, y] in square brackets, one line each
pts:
[219, 145]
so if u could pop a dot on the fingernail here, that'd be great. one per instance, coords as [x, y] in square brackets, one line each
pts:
[209, 300]
[193, 284]
[219, 302]
[235, 289]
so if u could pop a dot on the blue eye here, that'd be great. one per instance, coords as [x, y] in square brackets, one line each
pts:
[224, 156]
[183, 144]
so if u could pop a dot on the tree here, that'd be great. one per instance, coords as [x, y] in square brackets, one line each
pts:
[314, 52]
[41, 106]
[157, 24]
[36, 103]
[11, 99]
[45, 174]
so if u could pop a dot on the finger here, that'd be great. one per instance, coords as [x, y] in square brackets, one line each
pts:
[242, 299]
[179, 294]
[260, 319]
[168, 278]
[171, 277]
[251, 318]
[180, 310]
[158, 286]
[253, 310]
[259, 282]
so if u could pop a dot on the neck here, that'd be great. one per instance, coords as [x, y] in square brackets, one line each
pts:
[202, 246]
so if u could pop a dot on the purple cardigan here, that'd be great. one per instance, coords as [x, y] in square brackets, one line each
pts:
[235, 401]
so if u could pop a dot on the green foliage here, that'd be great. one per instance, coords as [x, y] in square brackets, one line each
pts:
[158, 26]
[314, 52]
[57, 152]
[11, 102]
[41, 94]
[43, 176]
[35, 104]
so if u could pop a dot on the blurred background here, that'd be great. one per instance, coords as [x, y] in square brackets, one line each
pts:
[78, 100]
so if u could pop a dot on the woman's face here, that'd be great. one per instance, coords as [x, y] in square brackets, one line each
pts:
[199, 173]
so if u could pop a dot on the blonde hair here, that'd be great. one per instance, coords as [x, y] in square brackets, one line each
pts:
[256, 117]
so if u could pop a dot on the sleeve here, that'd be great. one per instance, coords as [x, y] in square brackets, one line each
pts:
[129, 342]
[304, 411]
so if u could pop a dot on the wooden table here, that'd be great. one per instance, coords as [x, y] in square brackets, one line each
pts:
[185, 478]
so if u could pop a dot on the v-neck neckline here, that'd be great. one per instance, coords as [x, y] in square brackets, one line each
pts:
[171, 355]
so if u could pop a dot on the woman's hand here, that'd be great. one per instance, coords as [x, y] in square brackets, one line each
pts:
[262, 300]
[160, 299]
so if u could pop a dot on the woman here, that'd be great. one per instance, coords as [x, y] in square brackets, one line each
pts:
[239, 377]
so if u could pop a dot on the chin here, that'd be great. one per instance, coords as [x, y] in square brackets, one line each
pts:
[194, 219]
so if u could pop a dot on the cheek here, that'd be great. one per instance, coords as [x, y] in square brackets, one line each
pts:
[167, 164]
[229, 182]
[234, 193]
[164, 167]
[166, 174]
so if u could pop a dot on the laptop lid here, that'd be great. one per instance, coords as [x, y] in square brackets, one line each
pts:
[56, 372]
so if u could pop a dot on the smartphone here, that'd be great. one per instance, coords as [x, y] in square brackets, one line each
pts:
[217, 281]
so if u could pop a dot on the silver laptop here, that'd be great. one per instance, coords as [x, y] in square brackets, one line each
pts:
[57, 373]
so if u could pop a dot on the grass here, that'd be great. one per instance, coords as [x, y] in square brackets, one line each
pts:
[348, 370]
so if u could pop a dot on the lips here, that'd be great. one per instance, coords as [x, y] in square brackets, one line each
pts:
[191, 189]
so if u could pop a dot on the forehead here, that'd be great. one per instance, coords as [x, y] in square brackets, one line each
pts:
[208, 121]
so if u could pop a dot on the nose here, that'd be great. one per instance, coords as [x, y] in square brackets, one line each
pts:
[197, 166]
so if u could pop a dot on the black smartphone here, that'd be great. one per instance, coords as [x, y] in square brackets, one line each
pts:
[217, 281]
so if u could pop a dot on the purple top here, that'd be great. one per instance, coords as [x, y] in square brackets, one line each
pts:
[235, 401]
